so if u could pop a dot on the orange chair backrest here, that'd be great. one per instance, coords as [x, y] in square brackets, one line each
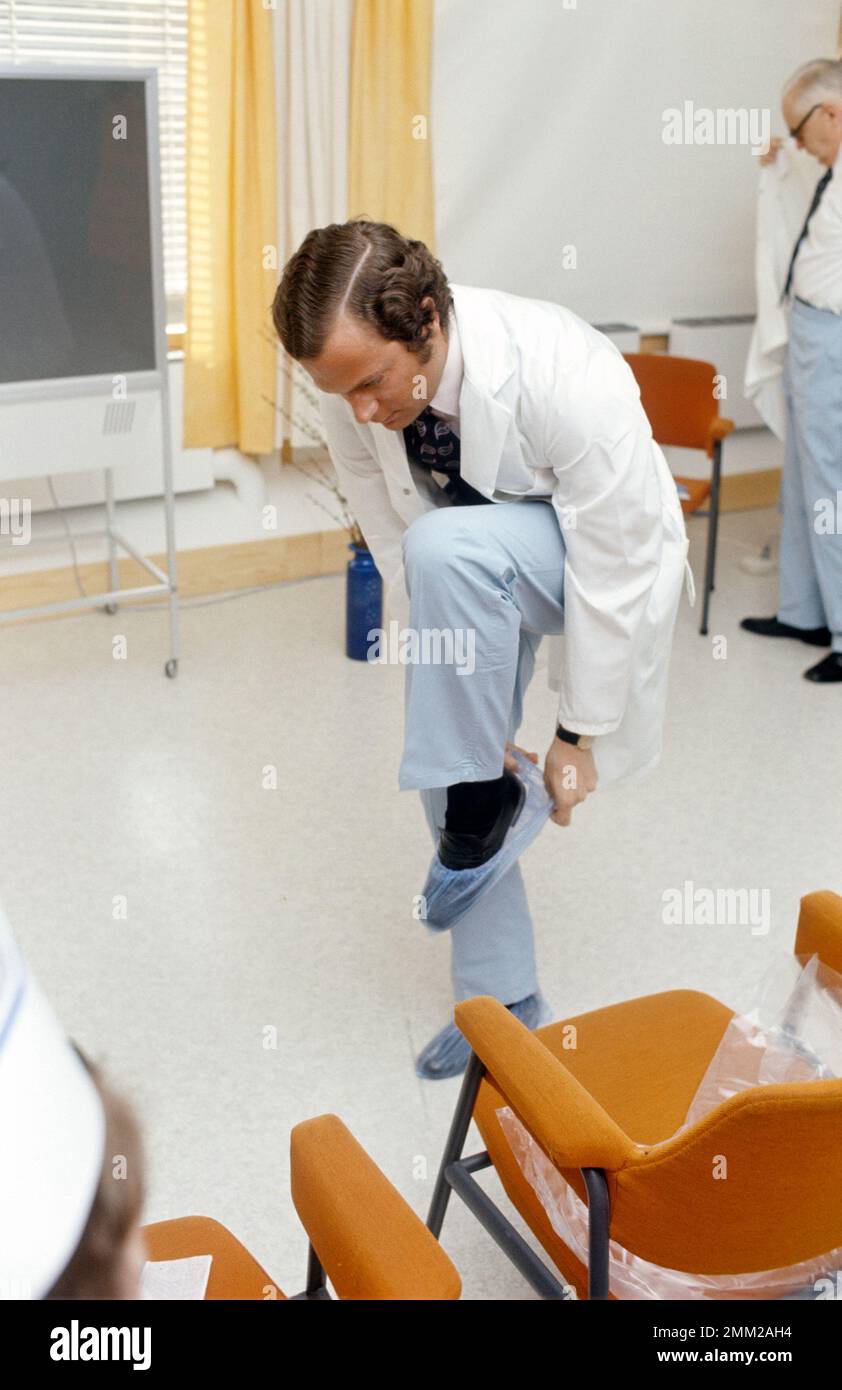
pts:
[753, 1186]
[762, 1167]
[820, 928]
[677, 394]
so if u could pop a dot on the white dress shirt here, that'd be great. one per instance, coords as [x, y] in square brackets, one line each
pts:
[817, 276]
[445, 403]
[446, 400]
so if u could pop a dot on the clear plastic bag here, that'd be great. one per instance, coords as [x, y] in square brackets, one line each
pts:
[794, 1033]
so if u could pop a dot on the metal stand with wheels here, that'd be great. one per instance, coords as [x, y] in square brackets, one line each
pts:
[143, 380]
[166, 583]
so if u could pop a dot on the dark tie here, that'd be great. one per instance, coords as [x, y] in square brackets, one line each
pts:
[817, 197]
[431, 443]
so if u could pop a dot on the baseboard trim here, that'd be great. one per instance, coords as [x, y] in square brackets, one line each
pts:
[741, 491]
[215, 569]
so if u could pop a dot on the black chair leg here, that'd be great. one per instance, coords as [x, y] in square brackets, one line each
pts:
[455, 1141]
[599, 1223]
[715, 512]
[713, 527]
[707, 585]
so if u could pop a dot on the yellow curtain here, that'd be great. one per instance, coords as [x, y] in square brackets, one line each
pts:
[230, 353]
[390, 172]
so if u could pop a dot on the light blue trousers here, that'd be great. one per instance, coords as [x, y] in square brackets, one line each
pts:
[810, 575]
[496, 571]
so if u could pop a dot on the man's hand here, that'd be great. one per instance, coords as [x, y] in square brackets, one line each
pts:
[769, 156]
[569, 775]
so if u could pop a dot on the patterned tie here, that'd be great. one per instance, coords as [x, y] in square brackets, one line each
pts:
[817, 197]
[431, 443]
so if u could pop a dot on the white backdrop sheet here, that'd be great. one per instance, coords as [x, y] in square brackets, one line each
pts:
[548, 121]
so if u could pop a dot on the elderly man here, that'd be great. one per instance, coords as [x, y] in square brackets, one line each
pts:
[439, 401]
[810, 578]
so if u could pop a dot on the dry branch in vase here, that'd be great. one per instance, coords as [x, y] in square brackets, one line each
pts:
[320, 476]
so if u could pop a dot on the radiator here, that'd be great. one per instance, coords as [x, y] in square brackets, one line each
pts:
[625, 336]
[193, 469]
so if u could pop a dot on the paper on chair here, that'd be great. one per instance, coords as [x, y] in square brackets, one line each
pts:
[176, 1279]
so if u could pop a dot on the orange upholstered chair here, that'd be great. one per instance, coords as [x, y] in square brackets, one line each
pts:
[597, 1109]
[677, 394]
[363, 1236]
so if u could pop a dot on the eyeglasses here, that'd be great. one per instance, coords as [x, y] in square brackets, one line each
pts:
[801, 124]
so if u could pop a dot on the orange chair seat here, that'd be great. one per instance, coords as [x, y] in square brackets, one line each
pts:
[234, 1273]
[699, 490]
[643, 1060]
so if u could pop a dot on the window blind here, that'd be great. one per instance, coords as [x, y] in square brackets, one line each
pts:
[124, 33]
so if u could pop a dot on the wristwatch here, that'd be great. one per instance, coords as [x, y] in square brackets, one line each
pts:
[580, 740]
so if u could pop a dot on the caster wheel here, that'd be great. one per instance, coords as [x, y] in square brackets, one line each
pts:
[111, 608]
[171, 667]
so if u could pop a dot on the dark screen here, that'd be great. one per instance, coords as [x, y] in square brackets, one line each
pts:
[75, 262]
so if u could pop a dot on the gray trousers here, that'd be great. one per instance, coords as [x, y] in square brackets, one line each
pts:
[496, 572]
[810, 575]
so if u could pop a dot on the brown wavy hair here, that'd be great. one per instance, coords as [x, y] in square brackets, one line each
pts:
[94, 1268]
[365, 269]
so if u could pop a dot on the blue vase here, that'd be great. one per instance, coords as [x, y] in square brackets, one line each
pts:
[364, 602]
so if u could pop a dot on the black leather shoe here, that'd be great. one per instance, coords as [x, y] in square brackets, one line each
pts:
[459, 850]
[771, 627]
[827, 670]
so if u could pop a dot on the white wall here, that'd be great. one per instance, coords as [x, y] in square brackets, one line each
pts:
[547, 129]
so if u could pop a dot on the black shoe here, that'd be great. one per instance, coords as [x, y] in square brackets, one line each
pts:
[827, 670]
[460, 850]
[771, 627]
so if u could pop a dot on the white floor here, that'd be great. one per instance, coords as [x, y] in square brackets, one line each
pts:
[251, 909]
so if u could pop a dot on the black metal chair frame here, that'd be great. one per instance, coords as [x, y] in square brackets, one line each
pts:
[712, 513]
[457, 1173]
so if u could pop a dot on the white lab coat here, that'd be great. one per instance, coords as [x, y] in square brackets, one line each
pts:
[785, 190]
[549, 406]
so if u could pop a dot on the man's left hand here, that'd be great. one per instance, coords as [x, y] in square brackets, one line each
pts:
[569, 776]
